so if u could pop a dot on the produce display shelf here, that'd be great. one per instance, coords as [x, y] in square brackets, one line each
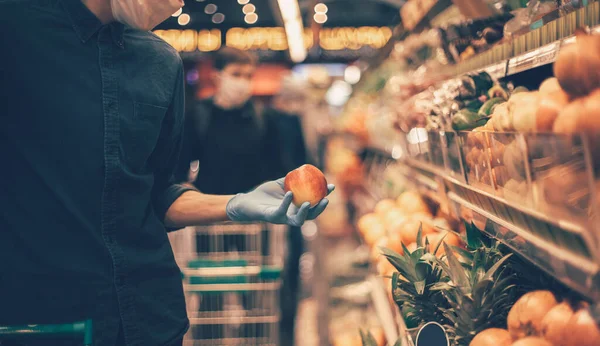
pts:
[577, 272]
[521, 229]
[534, 49]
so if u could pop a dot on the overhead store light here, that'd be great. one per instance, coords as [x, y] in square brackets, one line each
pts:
[321, 8]
[251, 18]
[294, 30]
[243, 2]
[184, 19]
[320, 18]
[249, 8]
[218, 18]
[210, 9]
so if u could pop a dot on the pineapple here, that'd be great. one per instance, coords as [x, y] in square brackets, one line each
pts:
[480, 291]
[417, 272]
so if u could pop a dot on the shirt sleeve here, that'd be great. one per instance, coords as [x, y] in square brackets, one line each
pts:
[166, 190]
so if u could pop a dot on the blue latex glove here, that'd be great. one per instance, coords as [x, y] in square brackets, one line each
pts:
[270, 203]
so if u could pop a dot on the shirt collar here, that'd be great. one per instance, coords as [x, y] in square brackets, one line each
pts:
[86, 24]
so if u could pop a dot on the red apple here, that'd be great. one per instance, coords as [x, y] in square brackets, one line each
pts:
[307, 183]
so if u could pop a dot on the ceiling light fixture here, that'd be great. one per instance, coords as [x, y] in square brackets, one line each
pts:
[184, 19]
[249, 8]
[321, 8]
[243, 2]
[320, 18]
[176, 14]
[218, 18]
[251, 18]
[294, 30]
[210, 9]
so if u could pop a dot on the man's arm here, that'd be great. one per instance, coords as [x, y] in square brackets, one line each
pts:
[267, 203]
[196, 208]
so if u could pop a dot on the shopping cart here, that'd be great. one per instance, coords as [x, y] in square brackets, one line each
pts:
[78, 329]
[232, 282]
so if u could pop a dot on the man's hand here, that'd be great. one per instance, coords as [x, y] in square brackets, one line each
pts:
[270, 203]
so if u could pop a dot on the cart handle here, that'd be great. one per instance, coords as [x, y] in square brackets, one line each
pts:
[84, 328]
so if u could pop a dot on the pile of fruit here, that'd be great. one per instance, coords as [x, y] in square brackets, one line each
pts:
[538, 319]
[395, 225]
[567, 103]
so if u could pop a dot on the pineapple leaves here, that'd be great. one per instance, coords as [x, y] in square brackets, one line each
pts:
[420, 236]
[367, 339]
[416, 256]
[474, 240]
[420, 287]
[457, 273]
[395, 276]
[466, 255]
[423, 269]
[437, 247]
[397, 261]
[441, 286]
[404, 249]
[490, 273]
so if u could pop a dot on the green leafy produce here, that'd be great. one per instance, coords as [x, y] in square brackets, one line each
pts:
[473, 105]
[488, 107]
[467, 120]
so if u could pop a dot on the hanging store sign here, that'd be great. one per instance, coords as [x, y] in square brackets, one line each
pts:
[330, 39]
[192, 40]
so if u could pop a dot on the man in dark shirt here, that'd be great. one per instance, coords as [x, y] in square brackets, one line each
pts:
[90, 128]
[228, 134]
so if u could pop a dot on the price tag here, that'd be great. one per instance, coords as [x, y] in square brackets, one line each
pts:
[536, 58]
[547, 54]
[432, 334]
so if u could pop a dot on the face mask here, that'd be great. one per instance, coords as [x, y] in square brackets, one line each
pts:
[144, 14]
[233, 92]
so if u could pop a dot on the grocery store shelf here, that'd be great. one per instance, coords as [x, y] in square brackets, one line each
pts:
[536, 48]
[528, 232]
[577, 272]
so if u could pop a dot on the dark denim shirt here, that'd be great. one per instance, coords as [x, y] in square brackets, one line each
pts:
[91, 118]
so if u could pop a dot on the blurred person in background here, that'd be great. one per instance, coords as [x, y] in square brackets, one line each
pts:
[229, 142]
